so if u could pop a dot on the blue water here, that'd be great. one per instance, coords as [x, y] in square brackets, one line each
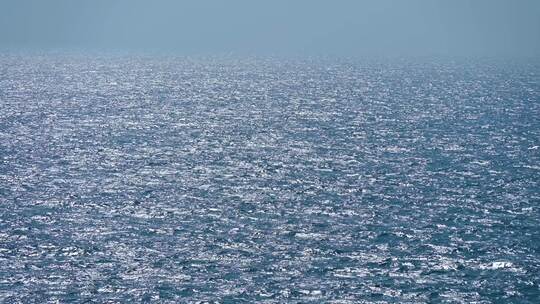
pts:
[132, 179]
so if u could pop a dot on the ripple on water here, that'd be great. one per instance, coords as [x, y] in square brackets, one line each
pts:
[190, 180]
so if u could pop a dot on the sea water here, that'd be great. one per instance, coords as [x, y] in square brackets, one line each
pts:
[231, 180]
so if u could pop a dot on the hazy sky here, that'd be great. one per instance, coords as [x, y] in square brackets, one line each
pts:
[313, 27]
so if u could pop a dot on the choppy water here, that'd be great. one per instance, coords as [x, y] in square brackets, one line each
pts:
[177, 180]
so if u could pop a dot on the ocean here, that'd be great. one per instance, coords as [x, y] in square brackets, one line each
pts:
[268, 180]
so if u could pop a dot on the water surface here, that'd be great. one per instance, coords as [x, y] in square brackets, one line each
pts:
[263, 180]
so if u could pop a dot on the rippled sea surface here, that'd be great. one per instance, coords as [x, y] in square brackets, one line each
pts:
[132, 179]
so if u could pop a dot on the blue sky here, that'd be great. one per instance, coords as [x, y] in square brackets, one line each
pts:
[312, 27]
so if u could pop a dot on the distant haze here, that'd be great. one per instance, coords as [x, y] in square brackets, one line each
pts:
[297, 27]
